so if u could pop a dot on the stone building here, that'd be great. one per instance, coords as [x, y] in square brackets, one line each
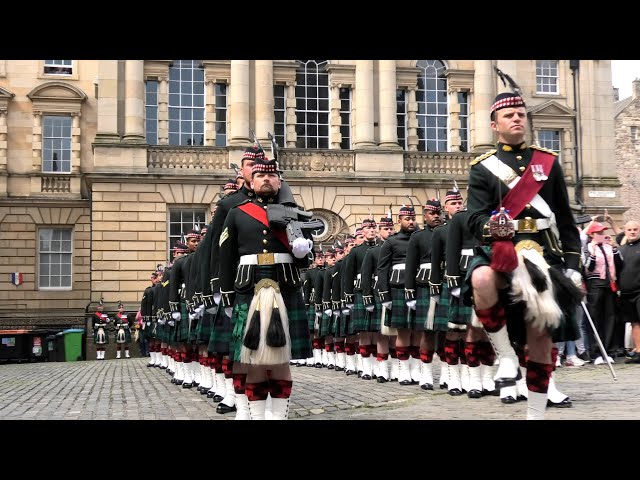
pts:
[103, 163]
[627, 141]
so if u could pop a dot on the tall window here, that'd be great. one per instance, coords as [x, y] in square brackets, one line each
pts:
[312, 104]
[151, 112]
[58, 67]
[221, 115]
[280, 112]
[54, 258]
[547, 76]
[56, 144]
[463, 101]
[401, 117]
[433, 111]
[345, 118]
[186, 103]
[549, 139]
[181, 220]
[634, 132]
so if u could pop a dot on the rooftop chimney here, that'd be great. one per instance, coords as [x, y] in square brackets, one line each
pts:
[636, 88]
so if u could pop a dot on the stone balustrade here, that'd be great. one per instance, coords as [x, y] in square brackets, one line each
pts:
[187, 159]
[55, 184]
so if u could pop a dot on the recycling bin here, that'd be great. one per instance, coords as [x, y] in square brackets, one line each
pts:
[38, 346]
[14, 345]
[70, 345]
[51, 348]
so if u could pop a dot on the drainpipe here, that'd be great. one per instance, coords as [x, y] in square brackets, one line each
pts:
[86, 309]
[574, 65]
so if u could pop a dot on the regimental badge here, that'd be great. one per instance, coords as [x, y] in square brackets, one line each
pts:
[538, 172]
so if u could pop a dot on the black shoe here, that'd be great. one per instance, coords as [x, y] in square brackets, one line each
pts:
[455, 392]
[350, 372]
[331, 367]
[585, 356]
[381, 379]
[222, 408]
[406, 382]
[493, 393]
[426, 386]
[318, 365]
[302, 365]
[204, 391]
[339, 369]
[633, 358]
[474, 393]
[218, 398]
[210, 394]
[366, 377]
[566, 403]
[507, 382]
[508, 400]
[521, 398]
[187, 385]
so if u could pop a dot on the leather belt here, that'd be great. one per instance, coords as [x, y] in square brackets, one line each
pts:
[266, 259]
[531, 225]
[426, 266]
[398, 266]
[466, 252]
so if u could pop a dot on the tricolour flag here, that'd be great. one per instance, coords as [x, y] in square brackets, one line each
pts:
[16, 278]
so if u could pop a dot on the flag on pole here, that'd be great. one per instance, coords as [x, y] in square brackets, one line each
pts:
[16, 278]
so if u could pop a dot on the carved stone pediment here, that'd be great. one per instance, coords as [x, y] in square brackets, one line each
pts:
[59, 97]
[551, 108]
[5, 98]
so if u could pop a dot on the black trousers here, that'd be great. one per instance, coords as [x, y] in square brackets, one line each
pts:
[601, 302]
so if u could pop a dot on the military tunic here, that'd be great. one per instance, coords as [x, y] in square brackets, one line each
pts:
[391, 277]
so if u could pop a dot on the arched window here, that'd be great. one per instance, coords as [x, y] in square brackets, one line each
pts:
[312, 104]
[433, 111]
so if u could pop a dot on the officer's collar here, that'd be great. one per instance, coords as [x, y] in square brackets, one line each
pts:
[247, 191]
[266, 198]
[505, 147]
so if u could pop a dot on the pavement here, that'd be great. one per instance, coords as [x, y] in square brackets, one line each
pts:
[127, 389]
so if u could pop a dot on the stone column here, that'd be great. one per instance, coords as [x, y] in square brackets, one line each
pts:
[454, 120]
[264, 115]
[107, 128]
[210, 114]
[290, 116]
[364, 137]
[239, 103]
[412, 120]
[163, 110]
[3, 153]
[75, 142]
[387, 101]
[36, 143]
[484, 92]
[335, 137]
[134, 102]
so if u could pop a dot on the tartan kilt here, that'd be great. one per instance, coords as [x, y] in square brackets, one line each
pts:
[106, 336]
[127, 336]
[203, 331]
[459, 313]
[423, 301]
[567, 330]
[311, 317]
[182, 327]
[325, 325]
[298, 326]
[399, 310]
[162, 333]
[441, 319]
[148, 330]
[220, 336]
[358, 316]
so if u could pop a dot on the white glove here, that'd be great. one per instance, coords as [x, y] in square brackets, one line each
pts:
[319, 314]
[387, 305]
[350, 306]
[228, 311]
[192, 316]
[455, 292]
[199, 309]
[301, 247]
[411, 304]
[327, 312]
[370, 308]
[435, 298]
[175, 315]
[574, 276]
[212, 310]
[216, 298]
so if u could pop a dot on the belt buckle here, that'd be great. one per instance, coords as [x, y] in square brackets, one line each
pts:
[529, 245]
[527, 225]
[266, 258]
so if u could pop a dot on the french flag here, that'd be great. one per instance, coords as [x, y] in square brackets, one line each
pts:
[16, 278]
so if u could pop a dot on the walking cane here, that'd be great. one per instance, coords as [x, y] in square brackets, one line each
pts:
[597, 337]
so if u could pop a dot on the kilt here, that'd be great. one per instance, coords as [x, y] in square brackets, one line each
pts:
[127, 336]
[220, 336]
[441, 319]
[459, 313]
[343, 326]
[148, 331]
[325, 325]
[423, 301]
[311, 317]
[360, 320]
[298, 326]
[182, 327]
[203, 331]
[401, 316]
[95, 336]
[161, 332]
[567, 330]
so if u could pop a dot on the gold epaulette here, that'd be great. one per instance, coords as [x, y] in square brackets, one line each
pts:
[482, 157]
[542, 149]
